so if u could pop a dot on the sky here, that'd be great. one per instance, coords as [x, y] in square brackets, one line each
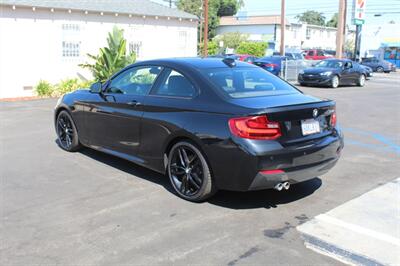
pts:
[389, 9]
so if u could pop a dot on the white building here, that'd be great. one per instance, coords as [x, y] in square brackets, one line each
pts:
[268, 29]
[44, 39]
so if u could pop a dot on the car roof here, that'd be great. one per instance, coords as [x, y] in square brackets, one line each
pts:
[193, 62]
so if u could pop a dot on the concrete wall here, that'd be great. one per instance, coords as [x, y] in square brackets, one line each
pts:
[31, 43]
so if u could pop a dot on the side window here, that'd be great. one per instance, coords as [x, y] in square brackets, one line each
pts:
[134, 81]
[176, 85]
[320, 53]
[348, 65]
[311, 53]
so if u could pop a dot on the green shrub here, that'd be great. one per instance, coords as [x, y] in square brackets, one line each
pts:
[44, 88]
[252, 48]
[65, 86]
[112, 58]
[212, 48]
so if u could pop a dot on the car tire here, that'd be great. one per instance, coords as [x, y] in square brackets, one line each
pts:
[189, 172]
[335, 81]
[379, 69]
[361, 80]
[67, 133]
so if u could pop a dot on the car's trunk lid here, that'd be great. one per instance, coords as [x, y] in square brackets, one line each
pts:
[291, 111]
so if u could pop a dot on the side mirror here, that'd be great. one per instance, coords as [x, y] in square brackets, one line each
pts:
[96, 87]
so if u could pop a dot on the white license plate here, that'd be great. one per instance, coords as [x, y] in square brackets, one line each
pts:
[310, 126]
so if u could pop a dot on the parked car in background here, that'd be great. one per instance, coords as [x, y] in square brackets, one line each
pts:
[333, 72]
[378, 65]
[366, 70]
[291, 55]
[316, 54]
[243, 57]
[207, 124]
[272, 64]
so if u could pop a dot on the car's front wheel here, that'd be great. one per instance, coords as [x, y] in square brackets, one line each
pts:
[361, 80]
[379, 69]
[335, 81]
[66, 132]
[189, 172]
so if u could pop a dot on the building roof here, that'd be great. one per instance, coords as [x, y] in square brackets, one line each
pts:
[134, 7]
[251, 20]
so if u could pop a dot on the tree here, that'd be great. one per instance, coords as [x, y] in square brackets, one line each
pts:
[231, 39]
[212, 48]
[333, 21]
[312, 17]
[216, 9]
[112, 58]
[252, 48]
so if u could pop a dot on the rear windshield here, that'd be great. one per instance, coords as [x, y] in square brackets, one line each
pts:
[244, 82]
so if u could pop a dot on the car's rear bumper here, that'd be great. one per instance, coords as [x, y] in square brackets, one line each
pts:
[245, 167]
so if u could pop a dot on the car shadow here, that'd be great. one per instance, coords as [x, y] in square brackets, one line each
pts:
[228, 199]
[268, 198]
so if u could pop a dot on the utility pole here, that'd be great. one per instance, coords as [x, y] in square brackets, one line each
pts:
[283, 28]
[340, 28]
[205, 35]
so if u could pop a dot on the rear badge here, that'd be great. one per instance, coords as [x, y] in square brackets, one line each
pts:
[315, 113]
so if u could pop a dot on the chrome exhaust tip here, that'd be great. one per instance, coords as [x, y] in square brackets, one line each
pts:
[286, 185]
[278, 186]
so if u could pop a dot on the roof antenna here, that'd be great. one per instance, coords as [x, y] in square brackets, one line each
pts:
[230, 62]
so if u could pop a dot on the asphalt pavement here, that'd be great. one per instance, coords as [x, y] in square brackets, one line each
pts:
[88, 208]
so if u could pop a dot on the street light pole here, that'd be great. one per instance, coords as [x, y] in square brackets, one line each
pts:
[205, 35]
[340, 28]
[283, 28]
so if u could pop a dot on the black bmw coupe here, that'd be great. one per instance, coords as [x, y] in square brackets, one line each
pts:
[208, 124]
[333, 72]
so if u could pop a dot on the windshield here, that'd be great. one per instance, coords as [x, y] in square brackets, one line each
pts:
[243, 82]
[330, 64]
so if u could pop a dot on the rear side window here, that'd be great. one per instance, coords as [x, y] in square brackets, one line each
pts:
[246, 82]
[174, 84]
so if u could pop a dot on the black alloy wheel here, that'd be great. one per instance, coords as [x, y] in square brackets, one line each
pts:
[189, 173]
[66, 132]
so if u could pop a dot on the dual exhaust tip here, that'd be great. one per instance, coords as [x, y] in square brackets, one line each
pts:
[281, 186]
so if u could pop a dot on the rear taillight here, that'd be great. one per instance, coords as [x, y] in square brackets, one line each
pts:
[333, 119]
[255, 127]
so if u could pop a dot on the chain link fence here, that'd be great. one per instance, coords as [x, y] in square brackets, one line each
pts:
[290, 69]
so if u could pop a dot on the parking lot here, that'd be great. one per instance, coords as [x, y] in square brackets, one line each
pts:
[88, 208]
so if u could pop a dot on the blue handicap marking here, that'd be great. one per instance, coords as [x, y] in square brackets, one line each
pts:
[386, 143]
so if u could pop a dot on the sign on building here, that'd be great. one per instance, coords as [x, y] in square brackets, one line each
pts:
[359, 12]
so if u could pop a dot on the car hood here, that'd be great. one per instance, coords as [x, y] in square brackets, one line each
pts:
[275, 101]
[318, 70]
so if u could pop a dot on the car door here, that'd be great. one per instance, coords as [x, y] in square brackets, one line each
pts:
[116, 118]
[168, 106]
[349, 74]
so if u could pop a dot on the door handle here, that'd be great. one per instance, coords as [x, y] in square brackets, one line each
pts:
[134, 103]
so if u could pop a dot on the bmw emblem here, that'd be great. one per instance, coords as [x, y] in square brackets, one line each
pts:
[315, 113]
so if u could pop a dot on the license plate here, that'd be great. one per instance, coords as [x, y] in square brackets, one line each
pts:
[310, 126]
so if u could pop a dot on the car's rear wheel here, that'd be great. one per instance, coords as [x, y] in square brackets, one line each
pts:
[379, 69]
[189, 172]
[361, 81]
[335, 82]
[66, 132]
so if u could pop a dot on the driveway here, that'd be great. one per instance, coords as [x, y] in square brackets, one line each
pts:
[91, 208]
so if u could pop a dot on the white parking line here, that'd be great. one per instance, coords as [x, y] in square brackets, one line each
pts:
[359, 229]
